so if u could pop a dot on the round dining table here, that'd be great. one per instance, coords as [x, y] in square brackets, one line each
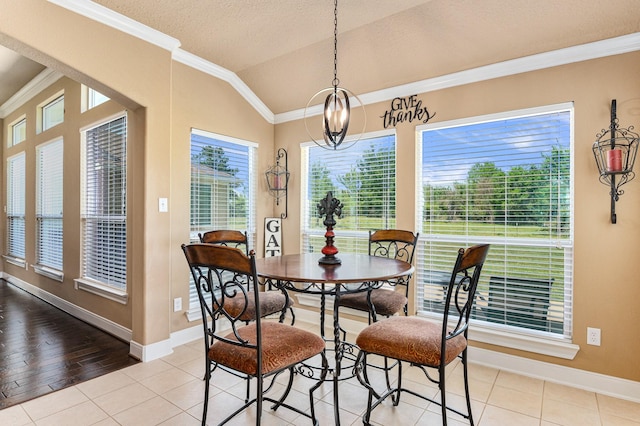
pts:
[356, 273]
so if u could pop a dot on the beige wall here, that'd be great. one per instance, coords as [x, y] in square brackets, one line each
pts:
[141, 77]
[70, 134]
[202, 102]
[606, 287]
[166, 99]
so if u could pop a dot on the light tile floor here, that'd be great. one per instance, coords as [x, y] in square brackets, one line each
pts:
[169, 391]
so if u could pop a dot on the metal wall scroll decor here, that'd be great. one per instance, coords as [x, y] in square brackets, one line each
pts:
[406, 109]
[615, 152]
[327, 208]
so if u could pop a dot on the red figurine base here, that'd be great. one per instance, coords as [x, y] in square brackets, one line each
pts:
[329, 250]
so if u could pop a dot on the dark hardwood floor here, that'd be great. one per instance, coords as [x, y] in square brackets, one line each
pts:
[43, 349]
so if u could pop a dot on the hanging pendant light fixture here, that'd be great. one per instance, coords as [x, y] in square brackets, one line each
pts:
[337, 112]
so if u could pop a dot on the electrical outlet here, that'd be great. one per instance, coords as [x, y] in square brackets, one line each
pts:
[593, 336]
[177, 304]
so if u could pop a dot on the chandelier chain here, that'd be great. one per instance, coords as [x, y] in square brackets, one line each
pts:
[336, 114]
[335, 45]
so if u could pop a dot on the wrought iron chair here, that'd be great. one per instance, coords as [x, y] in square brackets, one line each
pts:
[395, 244]
[226, 237]
[424, 343]
[226, 282]
[271, 302]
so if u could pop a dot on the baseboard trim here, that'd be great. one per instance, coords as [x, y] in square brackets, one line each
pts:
[581, 379]
[89, 317]
[187, 335]
[146, 353]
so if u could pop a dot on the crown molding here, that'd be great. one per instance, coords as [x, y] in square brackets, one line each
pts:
[120, 22]
[129, 26]
[599, 49]
[230, 77]
[583, 52]
[43, 80]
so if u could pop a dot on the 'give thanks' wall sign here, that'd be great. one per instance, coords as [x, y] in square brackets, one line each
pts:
[406, 109]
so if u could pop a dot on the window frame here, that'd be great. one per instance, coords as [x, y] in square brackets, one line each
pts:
[91, 98]
[118, 287]
[49, 194]
[251, 182]
[12, 139]
[44, 110]
[15, 209]
[348, 240]
[554, 344]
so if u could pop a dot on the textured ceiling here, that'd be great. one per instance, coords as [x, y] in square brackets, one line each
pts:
[15, 72]
[283, 49]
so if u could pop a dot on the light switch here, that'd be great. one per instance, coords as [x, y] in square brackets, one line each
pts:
[163, 205]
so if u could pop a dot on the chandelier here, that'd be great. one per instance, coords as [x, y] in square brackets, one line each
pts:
[337, 110]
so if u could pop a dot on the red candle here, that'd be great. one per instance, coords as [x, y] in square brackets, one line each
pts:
[276, 182]
[614, 160]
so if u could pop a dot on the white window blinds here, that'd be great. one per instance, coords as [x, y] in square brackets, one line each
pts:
[504, 180]
[49, 204]
[223, 188]
[16, 205]
[363, 178]
[104, 214]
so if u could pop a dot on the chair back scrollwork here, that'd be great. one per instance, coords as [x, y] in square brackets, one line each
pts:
[224, 278]
[461, 290]
[393, 243]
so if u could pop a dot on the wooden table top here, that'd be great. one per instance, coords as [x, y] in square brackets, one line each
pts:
[355, 268]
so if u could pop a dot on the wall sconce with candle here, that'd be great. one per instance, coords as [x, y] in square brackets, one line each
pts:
[615, 152]
[278, 180]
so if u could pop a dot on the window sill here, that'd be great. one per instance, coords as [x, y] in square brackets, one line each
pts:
[100, 289]
[15, 261]
[544, 344]
[556, 347]
[193, 315]
[54, 274]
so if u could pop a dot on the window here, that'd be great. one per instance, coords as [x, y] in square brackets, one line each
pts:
[49, 207]
[504, 179]
[104, 208]
[363, 178]
[90, 98]
[96, 98]
[223, 188]
[53, 113]
[15, 206]
[18, 132]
